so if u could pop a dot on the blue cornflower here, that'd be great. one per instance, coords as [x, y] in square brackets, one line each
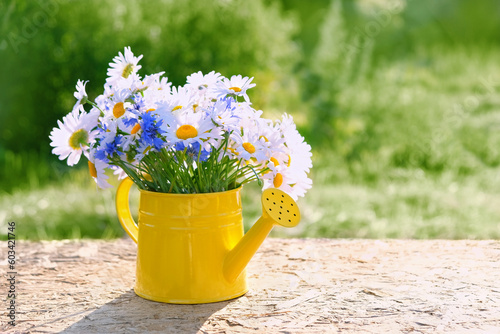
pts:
[109, 149]
[129, 121]
[101, 155]
[150, 131]
[138, 104]
[112, 148]
[179, 146]
[193, 150]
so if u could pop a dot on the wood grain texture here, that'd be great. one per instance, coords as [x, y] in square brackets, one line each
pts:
[296, 286]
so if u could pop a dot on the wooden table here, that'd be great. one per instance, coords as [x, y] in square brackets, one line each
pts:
[296, 286]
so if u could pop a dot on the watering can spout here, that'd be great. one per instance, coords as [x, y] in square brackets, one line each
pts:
[278, 208]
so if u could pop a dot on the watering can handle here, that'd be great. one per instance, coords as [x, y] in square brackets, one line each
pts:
[123, 209]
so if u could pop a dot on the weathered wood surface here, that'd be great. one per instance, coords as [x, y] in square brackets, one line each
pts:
[297, 286]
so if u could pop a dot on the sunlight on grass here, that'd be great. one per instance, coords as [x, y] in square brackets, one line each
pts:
[421, 206]
[71, 209]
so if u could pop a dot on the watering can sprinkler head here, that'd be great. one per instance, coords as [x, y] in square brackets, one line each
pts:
[278, 208]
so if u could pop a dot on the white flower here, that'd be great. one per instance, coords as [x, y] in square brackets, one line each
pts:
[157, 89]
[248, 115]
[188, 127]
[270, 135]
[236, 86]
[97, 171]
[224, 115]
[123, 66]
[248, 145]
[289, 162]
[117, 110]
[132, 138]
[180, 99]
[281, 177]
[298, 151]
[120, 173]
[80, 94]
[201, 84]
[150, 80]
[132, 84]
[74, 135]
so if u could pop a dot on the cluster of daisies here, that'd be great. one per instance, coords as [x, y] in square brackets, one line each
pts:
[185, 139]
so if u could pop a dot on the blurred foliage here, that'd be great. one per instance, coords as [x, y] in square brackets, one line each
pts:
[400, 82]
[72, 208]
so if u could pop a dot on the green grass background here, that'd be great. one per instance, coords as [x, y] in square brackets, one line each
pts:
[399, 100]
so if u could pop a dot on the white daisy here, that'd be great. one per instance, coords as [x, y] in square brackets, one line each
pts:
[236, 86]
[201, 84]
[189, 127]
[74, 135]
[80, 94]
[270, 135]
[249, 146]
[290, 162]
[97, 171]
[123, 66]
[224, 115]
[158, 89]
[133, 84]
[132, 138]
[151, 80]
[247, 114]
[120, 173]
[281, 177]
[298, 151]
[180, 99]
[118, 110]
[302, 184]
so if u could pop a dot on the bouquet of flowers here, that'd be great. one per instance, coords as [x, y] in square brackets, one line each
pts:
[197, 138]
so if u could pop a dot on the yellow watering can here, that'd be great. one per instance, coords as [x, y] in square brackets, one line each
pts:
[191, 247]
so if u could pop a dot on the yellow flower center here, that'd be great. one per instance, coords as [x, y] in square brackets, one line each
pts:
[78, 139]
[249, 147]
[152, 109]
[264, 137]
[235, 89]
[195, 106]
[92, 170]
[278, 180]
[177, 108]
[233, 150]
[275, 162]
[186, 131]
[118, 110]
[289, 161]
[136, 128]
[127, 70]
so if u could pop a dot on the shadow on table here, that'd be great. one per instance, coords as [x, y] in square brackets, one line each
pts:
[132, 314]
